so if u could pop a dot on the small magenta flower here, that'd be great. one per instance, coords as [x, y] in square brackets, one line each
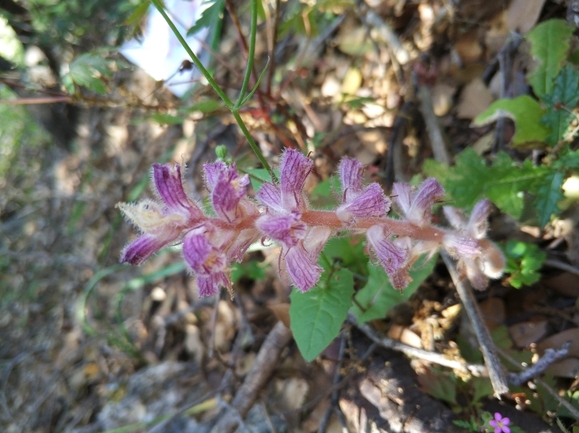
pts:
[285, 203]
[160, 223]
[478, 257]
[359, 202]
[417, 207]
[227, 190]
[500, 424]
[210, 248]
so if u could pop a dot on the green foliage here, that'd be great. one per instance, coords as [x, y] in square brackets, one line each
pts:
[559, 103]
[88, 70]
[307, 19]
[378, 296]
[212, 14]
[525, 111]
[524, 261]
[252, 269]
[349, 252]
[317, 316]
[550, 42]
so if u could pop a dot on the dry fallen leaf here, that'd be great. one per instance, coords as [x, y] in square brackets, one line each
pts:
[525, 333]
[474, 99]
[557, 340]
[523, 14]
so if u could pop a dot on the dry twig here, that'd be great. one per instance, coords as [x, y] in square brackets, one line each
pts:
[265, 362]
[496, 372]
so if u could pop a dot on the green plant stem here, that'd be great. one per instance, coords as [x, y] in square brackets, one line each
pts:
[250, 55]
[232, 108]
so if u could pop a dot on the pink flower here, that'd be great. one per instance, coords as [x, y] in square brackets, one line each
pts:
[210, 248]
[479, 258]
[227, 190]
[160, 223]
[359, 202]
[417, 207]
[282, 222]
[500, 424]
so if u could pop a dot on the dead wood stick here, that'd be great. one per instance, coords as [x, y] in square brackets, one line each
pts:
[426, 355]
[496, 372]
[266, 361]
[437, 141]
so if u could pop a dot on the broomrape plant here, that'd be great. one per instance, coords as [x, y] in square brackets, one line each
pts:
[282, 214]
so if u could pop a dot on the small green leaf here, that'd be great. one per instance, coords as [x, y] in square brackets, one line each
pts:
[504, 183]
[167, 119]
[524, 260]
[211, 15]
[568, 160]
[87, 70]
[378, 296]
[525, 111]
[317, 316]
[549, 194]
[560, 103]
[349, 252]
[204, 106]
[251, 269]
[550, 42]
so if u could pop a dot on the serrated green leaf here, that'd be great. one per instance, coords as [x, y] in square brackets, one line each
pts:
[504, 183]
[550, 42]
[560, 103]
[86, 70]
[138, 14]
[317, 316]
[211, 14]
[378, 296]
[549, 194]
[567, 161]
[525, 111]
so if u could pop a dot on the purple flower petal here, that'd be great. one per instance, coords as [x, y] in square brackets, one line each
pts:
[202, 256]
[225, 198]
[478, 224]
[302, 268]
[169, 186]
[458, 245]
[351, 177]
[455, 217]
[402, 196]
[288, 229]
[370, 203]
[315, 240]
[143, 247]
[215, 172]
[391, 257]
[208, 285]
[295, 168]
[270, 196]
[429, 193]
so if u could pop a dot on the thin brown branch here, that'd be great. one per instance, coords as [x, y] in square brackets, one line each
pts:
[496, 371]
[265, 362]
